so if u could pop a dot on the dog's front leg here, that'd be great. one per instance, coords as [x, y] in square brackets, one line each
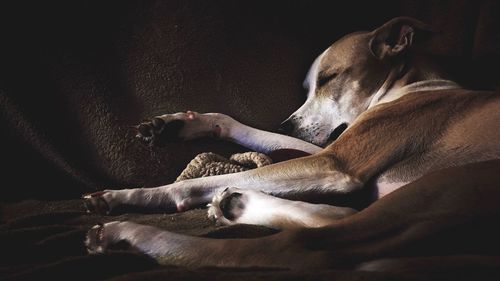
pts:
[305, 178]
[169, 248]
[191, 125]
[246, 206]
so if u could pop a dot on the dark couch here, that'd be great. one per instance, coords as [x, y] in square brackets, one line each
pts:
[76, 75]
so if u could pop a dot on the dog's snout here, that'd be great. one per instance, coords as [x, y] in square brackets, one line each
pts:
[287, 127]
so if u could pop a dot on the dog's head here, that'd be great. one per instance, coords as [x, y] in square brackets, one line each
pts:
[344, 78]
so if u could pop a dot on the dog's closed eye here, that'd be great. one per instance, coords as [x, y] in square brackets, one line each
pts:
[325, 78]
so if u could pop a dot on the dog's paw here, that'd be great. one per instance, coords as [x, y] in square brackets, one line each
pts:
[97, 203]
[181, 126]
[227, 206]
[95, 240]
[161, 130]
[103, 237]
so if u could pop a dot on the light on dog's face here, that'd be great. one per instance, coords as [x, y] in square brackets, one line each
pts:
[340, 84]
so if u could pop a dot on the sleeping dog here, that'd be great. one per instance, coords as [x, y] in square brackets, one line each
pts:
[408, 128]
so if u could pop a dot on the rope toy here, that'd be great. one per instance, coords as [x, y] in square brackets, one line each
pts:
[211, 164]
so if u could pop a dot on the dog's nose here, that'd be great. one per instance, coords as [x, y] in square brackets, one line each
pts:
[286, 128]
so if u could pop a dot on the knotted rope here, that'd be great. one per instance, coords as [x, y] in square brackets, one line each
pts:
[211, 164]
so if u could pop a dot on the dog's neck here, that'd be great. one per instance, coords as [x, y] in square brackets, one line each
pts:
[414, 75]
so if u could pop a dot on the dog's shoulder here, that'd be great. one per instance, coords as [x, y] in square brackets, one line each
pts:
[422, 113]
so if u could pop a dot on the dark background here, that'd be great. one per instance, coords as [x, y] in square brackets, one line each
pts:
[75, 75]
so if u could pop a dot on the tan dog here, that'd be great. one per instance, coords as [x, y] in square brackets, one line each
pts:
[404, 121]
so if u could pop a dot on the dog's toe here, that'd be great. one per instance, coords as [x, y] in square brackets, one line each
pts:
[95, 203]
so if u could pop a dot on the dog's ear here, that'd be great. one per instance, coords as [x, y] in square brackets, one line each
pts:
[396, 36]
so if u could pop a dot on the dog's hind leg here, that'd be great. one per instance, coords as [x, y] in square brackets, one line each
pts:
[235, 205]
[191, 125]
[169, 248]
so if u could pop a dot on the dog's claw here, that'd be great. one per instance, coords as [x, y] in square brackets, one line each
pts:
[95, 203]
